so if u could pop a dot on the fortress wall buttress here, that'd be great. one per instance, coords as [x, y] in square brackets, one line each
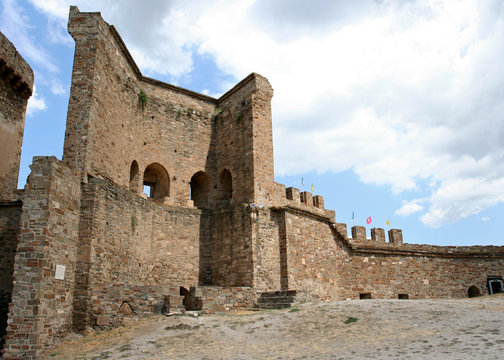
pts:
[45, 261]
[268, 249]
[134, 251]
[108, 127]
[313, 256]
[231, 249]
[16, 84]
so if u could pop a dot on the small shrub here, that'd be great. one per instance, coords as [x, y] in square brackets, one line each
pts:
[239, 117]
[142, 99]
[350, 320]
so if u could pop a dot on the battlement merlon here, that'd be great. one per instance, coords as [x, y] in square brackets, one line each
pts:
[14, 69]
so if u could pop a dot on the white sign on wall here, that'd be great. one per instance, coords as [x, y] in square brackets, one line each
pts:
[60, 272]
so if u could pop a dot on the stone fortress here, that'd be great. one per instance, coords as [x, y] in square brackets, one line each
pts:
[83, 246]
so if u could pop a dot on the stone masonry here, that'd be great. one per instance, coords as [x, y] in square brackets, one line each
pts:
[83, 246]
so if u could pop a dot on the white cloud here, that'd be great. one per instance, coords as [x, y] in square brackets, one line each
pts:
[409, 207]
[57, 88]
[485, 218]
[15, 24]
[404, 93]
[35, 103]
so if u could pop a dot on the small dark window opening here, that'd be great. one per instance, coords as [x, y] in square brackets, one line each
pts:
[495, 285]
[403, 296]
[365, 296]
[473, 291]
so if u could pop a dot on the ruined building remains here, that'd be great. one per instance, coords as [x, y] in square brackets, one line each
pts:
[82, 245]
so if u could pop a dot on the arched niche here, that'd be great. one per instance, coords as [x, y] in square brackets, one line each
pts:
[134, 174]
[225, 187]
[473, 291]
[156, 181]
[200, 189]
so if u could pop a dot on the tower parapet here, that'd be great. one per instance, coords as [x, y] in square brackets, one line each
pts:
[17, 78]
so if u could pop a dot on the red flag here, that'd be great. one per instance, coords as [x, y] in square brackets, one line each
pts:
[368, 220]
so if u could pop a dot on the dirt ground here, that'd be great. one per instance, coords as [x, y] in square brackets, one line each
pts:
[361, 329]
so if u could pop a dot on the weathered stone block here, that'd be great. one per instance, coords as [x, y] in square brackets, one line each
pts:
[103, 320]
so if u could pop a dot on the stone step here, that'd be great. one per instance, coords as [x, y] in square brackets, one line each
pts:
[281, 299]
[276, 299]
[273, 306]
[278, 293]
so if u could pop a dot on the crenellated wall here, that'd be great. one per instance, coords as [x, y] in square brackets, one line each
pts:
[308, 252]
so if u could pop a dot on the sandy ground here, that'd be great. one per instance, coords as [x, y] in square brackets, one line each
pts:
[361, 329]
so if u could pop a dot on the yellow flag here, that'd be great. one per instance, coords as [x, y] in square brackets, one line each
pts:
[387, 222]
[312, 188]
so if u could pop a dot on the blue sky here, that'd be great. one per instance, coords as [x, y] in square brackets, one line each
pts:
[392, 110]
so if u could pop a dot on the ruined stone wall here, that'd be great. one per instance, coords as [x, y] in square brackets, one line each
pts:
[10, 215]
[16, 83]
[129, 244]
[107, 129]
[41, 309]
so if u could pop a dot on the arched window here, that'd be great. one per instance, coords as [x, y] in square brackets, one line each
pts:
[225, 187]
[473, 291]
[133, 181]
[200, 189]
[156, 181]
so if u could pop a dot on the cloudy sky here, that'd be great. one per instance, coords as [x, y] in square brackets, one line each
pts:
[392, 109]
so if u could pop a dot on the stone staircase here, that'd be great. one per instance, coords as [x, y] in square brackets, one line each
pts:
[276, 299]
